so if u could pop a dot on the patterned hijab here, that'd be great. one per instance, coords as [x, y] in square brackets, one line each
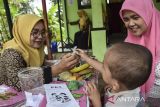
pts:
[22, 28]
[151, 38]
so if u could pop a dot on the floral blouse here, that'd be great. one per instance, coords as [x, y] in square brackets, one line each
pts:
[11, 62]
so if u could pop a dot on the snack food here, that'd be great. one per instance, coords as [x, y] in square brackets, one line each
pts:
[80, 68]
[77, 95]
[81, 75]
[74, 85]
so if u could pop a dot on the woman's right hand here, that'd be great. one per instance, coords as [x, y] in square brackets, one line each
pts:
[68, 61]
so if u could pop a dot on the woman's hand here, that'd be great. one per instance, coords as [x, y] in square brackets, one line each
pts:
[67, 62]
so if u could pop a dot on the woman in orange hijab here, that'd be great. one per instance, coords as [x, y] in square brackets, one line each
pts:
[26, 49]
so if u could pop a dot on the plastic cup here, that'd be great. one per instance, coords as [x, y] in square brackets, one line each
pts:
[30, 78]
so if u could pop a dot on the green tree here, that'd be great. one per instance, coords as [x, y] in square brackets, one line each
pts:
[18, 7]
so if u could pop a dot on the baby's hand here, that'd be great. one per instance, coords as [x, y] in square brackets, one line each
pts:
[82, 54]
[93, 94]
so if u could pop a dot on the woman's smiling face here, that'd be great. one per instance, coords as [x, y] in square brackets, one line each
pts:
[134, 23]
[37, 35]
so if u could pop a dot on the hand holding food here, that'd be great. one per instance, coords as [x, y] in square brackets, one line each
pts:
[68, 61]
[82, 54]
[80, 72]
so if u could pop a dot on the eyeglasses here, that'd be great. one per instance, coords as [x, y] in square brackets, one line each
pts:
[36, 33]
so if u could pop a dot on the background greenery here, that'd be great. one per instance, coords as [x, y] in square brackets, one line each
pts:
[18, 7]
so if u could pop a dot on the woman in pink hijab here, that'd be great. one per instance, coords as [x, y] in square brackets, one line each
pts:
[142, 21]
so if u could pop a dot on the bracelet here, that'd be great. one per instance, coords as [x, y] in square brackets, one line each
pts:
[47, 74]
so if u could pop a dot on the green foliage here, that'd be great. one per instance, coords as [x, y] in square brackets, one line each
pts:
[4, 34]
[18, 7]
[53, 21]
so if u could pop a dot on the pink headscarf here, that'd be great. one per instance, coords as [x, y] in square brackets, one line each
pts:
[151, 38]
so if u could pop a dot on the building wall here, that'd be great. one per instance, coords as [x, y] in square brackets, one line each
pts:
[72, 8]
[98, 32]
[95, 15]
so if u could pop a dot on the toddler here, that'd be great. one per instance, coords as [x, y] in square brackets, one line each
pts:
[125, 68]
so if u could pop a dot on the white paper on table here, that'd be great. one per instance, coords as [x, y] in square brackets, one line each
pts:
[58, 95]
[33, 100]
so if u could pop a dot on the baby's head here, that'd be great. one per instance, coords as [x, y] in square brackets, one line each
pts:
[126, 66]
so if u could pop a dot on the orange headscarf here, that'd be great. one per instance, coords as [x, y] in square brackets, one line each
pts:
[22, 28]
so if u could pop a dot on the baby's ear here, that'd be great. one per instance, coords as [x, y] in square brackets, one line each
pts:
[115, 85]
